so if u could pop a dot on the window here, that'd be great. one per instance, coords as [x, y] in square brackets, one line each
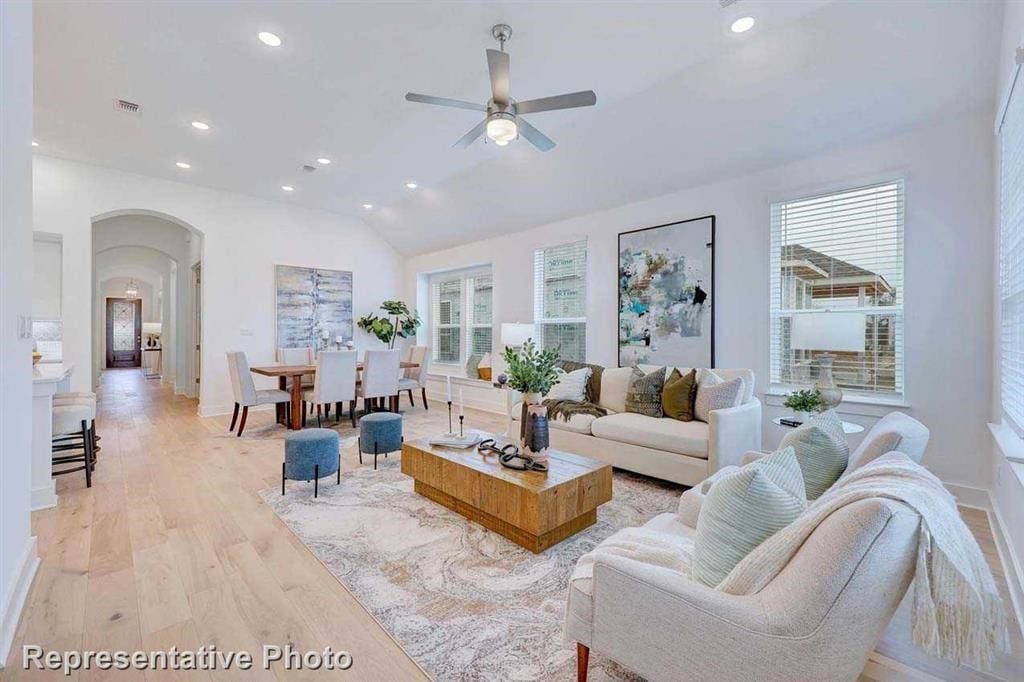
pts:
[1011, 262]
[560, 299]
[461, 317]
[837, 287]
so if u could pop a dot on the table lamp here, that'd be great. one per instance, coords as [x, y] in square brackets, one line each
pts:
[515, 334]
[827, 331]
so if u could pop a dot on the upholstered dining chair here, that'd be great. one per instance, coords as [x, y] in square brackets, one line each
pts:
[335, 382]
[380, 378]
[246, 393]
[416, 377]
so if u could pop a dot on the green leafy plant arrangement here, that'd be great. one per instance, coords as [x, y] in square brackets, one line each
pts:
[805, 401]
[530, 370]
[404, 325]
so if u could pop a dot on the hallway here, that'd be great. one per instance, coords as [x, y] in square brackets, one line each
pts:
[172, 546]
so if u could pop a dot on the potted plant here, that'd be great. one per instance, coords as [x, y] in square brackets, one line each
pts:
[532, 373]
[804, 403]
[387, 330]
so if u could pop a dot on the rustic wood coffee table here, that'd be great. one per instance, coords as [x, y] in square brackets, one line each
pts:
[532, 509]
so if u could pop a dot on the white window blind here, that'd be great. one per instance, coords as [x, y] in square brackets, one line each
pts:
[461, 315]
[1011, 261]
[837, 287]
[560, 299]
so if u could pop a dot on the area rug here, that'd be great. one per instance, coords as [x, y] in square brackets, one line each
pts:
[464, 603]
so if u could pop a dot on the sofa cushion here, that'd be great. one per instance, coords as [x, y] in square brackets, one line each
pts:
[723, 372]
[614, 384]
[577, 423]
[668, 435]
[644, 393]
[593, 383]
[678, 395]
[744, 509]
[715, 393]
[571, 386]
[672, 524]
[822, 451]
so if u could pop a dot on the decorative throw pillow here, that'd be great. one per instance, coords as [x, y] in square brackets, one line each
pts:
[644, 393]
[869, 452]
[571, 386]
[744, 509]
[715, 393]
[678, 395]
[593, 384]
[822, 451]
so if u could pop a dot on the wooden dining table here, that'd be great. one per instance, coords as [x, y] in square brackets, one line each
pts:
[296, 372]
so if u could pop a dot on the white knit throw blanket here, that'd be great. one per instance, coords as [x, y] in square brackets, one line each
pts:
[957, 611]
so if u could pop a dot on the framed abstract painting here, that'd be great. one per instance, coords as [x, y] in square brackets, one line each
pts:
[313, 306]
[667, 294]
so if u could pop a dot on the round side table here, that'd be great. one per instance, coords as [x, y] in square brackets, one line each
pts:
[848, 427]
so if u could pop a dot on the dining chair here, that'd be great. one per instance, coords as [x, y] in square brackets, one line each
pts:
[416, 377]
[335, 382]
[246, 393]
[380, 378]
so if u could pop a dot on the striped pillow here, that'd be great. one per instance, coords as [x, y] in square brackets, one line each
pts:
[822, 451]
[742, 510]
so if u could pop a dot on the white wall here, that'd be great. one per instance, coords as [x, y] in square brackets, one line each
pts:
[243, 238]
[948, 171]
[18, 558]
[46, 269]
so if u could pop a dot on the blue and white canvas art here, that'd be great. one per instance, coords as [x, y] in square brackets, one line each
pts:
[313, 305]
[666, 295]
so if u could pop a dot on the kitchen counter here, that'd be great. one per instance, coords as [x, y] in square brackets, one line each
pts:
[47, 379]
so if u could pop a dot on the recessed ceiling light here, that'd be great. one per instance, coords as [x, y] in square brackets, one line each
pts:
[199, 125]
[182, 164]
[743, 24]
[287, 188]
[34, 143]
[324, 161]
[411, 185]
[268, 38]
[367, 206]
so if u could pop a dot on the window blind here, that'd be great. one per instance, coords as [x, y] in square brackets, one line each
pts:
[560, 299]
[461, 314]
[1011, 262]
[481, 318]
[446, 314]
[837, 287]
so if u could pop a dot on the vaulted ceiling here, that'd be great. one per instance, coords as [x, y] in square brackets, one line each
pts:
[680, 99]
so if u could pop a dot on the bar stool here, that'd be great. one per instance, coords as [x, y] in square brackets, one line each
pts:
[71, 432]
[73, 397]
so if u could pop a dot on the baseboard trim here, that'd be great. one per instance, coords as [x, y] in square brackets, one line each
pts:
[969, 496]
[1011, 565]
[14, 601]
[884, 669]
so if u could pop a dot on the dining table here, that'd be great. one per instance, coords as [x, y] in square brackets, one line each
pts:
[296, 372]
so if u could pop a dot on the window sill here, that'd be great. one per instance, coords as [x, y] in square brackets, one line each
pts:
[439, 374]
[1011, 448]
[852, 404]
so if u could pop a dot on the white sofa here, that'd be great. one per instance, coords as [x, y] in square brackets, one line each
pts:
[817, 620]
[673, 450]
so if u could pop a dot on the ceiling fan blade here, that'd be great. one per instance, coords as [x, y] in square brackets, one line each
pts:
[585, 98]
[534, 136]
[444, 102]
[497, 64]
[471, 136]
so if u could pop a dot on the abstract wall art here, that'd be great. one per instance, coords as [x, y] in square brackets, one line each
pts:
[666, 294]
[313, 306]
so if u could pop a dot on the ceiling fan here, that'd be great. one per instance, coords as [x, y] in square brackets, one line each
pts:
[503, 121]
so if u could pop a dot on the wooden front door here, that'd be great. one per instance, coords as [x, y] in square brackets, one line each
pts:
[124, 332]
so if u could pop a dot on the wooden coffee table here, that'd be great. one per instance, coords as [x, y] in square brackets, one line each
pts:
[532, 509]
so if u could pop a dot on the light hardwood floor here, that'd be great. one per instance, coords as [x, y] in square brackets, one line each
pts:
[173, 546]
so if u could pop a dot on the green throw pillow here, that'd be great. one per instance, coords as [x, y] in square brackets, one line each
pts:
[822, 451]
[678, 395]
[742, 510]
[644, 393]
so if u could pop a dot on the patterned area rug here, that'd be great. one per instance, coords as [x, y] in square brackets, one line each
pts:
[464, 602]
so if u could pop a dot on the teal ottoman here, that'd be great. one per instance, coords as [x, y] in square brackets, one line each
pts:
[310, 454]
[379, 432]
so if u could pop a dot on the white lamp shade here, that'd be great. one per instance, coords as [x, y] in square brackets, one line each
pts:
[152, 328]
[515, 333]
[829, 331]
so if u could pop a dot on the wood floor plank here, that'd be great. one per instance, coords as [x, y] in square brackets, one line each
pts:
[162, 598]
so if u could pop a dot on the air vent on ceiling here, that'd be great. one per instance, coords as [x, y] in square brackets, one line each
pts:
[309, 169]
[127, 107]
[726, 3]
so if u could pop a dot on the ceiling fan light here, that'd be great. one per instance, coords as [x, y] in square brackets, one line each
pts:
[501, 143]
[502, 128]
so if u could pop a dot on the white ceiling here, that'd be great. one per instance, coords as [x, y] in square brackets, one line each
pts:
[680, 100]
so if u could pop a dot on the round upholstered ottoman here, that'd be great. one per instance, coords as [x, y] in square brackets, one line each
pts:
[379, 432]
[311, 454]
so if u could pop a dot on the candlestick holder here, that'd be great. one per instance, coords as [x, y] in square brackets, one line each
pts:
[461, 417]
[450, 430]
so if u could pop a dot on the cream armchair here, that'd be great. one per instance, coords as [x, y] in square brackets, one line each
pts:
[817, 620]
